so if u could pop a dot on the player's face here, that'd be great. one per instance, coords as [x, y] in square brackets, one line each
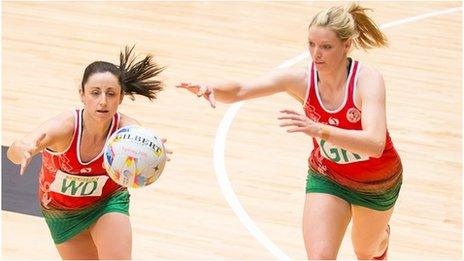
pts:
[102, 95]
[326, 49]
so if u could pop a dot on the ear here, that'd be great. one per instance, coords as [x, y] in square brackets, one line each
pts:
[347, 45]
[81, 95]
[121, 98]
[121, 92]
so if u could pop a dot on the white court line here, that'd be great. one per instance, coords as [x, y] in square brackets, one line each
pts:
[223, 129]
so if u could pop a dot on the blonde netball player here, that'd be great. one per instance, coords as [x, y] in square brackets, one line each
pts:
[86, 212]
[354, 170]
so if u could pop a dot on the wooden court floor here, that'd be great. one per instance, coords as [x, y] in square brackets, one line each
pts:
[46, 46]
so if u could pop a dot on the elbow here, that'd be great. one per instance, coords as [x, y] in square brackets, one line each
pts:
[377, 149]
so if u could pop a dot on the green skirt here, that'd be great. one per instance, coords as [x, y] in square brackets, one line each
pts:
[381, 201]
[65, 224]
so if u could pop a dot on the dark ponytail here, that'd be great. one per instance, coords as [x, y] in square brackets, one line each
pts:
[134, 77]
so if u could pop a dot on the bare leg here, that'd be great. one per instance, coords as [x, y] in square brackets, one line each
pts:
[369, 235]
[80, 246]
[112, 235]
[325, 219]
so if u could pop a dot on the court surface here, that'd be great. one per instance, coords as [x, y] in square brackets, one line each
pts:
[186, 215]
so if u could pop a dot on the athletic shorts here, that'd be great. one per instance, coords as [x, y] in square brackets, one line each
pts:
[381, 201]
[65, 224]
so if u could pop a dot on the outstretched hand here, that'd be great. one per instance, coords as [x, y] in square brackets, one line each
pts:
[168, 151]
[201, 90]
[29, 151]
[298, 123]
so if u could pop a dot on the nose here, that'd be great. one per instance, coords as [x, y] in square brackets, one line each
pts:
[317, 52]
[102, 100]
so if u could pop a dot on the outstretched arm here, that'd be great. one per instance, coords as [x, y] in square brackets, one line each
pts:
[291, 80]
[54, 133]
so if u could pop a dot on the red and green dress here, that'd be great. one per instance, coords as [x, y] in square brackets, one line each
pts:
[359, 179]
[73, 194]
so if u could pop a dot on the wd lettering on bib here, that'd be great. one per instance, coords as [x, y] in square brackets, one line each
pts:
[78, 186]
[339, 155]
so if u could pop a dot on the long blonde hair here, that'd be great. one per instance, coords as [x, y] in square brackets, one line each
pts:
[351, 21]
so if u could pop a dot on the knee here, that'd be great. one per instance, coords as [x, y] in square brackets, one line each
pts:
[322, 252]
[370, 250]
[114, 254]
[122, 249]
[365, 253]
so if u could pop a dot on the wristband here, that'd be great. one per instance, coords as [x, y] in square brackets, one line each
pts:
[325, 134]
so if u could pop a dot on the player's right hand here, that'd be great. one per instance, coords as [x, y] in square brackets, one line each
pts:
[30, 149]
[201, 90]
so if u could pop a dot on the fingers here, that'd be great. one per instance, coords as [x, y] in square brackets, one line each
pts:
[212, 100]
[23, 167]
[193, 88]
[206, 92]
[292, 123]
[203, 90]
[287, 111]
[25, 162]
[297, 129]
[184, 85]
[296, 121]
[292, 118]
[289, 117]
[286, 124]
[166, 150]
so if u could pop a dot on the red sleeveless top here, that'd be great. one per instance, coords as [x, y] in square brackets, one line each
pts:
[350, 169]
[68, 183]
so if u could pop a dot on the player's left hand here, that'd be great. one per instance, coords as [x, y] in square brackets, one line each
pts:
[168, 151]
[298, 122]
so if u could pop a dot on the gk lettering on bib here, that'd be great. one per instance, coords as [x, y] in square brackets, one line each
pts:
[78, 186]
[339, 155]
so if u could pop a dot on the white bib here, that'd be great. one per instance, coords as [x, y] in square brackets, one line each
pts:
[78, 186]
[339, 155]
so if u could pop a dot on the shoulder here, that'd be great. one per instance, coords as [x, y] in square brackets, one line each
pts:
[367, 73]
[63, 123]
[125, 120]
[370, 79]
[370, 84]
[59, 130]
[294, 80]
